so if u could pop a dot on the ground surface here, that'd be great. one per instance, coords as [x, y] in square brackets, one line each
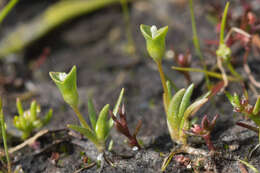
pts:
[96, 43]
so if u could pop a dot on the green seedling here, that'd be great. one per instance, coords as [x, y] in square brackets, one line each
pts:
[179, 112]
[241, 105]
[27, 121]
[3, 132]
[178, 108]
[101, 126]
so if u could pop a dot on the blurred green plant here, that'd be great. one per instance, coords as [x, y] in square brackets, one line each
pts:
[52, 17]
[7, 9]
[27, 121]
[101, 127]
[3, 133]
[196, 43]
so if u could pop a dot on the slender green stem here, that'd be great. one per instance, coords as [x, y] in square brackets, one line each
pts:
[162, 76]
[81, 118]
[7, 9]
[2, 122]
[233, 71]
[129, 34]
[197, 43]
[223, 24]
[209, 73]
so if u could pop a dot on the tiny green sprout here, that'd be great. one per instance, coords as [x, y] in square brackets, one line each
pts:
[179, 111]
[155, 41]
[67, 84]
[101, 126]
[27, 121]
[241, 105]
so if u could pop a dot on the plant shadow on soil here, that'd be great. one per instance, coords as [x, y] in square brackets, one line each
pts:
[96, 44]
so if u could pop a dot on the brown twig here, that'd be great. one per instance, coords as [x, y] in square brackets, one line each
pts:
[85, 167]
[248, 71]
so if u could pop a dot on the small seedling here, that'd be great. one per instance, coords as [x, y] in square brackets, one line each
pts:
[121, 126]
[101, 127]
[241, 105]
[27, 121]
[204, 130]
[178, 108]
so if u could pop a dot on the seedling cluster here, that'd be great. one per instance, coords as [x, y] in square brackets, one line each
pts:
[179, 107]
[27, 121]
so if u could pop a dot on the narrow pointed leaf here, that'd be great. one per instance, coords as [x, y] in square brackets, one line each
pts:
[33, 110]
[185, 102]
[191, 110]
[46, 119]
[102, 126]
[236, 100]
[19, 107]
[173, 109]
[92, 114]
[229, 96]
[257, 106]
[169, 87]
[116, 107]
[86, 132]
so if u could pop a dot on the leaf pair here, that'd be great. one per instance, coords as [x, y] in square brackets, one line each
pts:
[28, 120]
[179, 111]
[100, 126]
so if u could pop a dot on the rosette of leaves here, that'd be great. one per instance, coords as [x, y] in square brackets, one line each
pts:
[27, 121]
[204, 130]
[179, 112]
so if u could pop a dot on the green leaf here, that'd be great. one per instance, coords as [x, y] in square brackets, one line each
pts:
[16, 122]
[67, 84]
[116, 107]
[191, 110]
[173, 109]
[223, 24]
[86, 132]
[7, 9]
[257, 106]
[169, 87]
[33, 111]
[236, 100]
[92, 114]
[185, 102]
[46, 119]
[102, 127]
[19, 107]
